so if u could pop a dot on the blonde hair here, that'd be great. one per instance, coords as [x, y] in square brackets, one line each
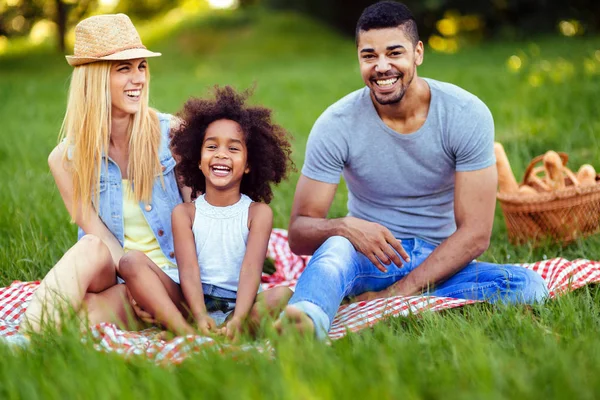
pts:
[86, 128]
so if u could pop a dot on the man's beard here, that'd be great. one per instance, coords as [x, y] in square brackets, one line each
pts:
[396, 97]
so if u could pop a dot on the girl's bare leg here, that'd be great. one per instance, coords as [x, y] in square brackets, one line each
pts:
[86, 267]
[155, 292]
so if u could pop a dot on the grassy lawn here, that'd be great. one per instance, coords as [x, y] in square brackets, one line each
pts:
[299, 68]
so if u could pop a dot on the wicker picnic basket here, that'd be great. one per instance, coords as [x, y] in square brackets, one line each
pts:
[559, 216]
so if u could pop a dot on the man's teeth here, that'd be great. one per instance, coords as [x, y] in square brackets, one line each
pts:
[133, 93]
[386, 82]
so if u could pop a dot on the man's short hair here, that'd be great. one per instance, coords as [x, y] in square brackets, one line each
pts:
[388, 14]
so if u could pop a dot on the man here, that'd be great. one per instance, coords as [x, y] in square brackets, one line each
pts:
[417, 156]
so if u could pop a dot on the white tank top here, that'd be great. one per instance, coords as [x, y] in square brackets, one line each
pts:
[221, 235]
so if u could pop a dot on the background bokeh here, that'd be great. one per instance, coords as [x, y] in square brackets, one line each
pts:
[444, 24]
[536, 64]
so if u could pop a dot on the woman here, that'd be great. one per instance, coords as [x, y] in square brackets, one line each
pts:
[111, 139]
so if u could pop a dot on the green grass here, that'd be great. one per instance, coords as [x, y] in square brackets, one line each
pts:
[300, 68]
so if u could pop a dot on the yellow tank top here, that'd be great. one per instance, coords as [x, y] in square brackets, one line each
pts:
[138, 234]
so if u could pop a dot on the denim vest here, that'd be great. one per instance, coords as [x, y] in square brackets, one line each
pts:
[164, 199]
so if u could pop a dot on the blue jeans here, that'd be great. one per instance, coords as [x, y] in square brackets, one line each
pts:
[337, 270]
[219, 302]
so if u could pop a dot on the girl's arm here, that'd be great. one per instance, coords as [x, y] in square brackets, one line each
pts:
[90, 222]
[182, 220]
[260, 225]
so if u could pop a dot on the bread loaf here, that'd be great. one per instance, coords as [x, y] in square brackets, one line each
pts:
[554, 170]
[506, 179]
[586, 175]
[526, 190]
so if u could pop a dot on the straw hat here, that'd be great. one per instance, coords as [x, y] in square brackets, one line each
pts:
[107, 37]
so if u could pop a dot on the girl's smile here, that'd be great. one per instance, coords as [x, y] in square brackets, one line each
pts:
[220, 170]
[224, 156]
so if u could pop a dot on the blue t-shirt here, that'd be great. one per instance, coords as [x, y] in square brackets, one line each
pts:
[404, 182]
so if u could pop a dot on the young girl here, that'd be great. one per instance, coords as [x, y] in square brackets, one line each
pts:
[229, 154]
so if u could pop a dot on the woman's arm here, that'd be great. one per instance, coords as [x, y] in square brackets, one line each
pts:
[260, 225]
[185, 191]
[90, 222]
[182, 220]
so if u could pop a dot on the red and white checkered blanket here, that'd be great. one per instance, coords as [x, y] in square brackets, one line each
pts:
[560, 275]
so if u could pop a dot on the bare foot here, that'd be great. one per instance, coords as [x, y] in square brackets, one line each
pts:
[293, 318]
[163, 335]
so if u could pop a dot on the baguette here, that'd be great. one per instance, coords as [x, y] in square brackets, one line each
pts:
[526, 190]
[506, 179]
[554, 170]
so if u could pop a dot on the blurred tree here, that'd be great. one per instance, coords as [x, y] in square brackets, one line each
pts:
[144, 9]
[67, 13]
[500, 17]
[19, 17]
[248, 3]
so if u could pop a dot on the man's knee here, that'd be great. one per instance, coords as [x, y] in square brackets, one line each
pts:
[339, 244]
[337, 249]
[335, 258]
[534, 288]
[522, 286]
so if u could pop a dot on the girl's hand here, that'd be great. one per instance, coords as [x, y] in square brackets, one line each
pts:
[206, 325]
[233, 329]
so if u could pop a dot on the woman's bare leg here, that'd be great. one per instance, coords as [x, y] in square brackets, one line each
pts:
[86, 267]
[155, 292]
[111, 305]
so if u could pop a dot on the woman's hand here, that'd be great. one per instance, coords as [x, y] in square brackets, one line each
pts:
[142, 314]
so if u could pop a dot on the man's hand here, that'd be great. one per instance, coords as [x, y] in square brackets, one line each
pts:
[376, 242]
[206, 325]
[233, 329]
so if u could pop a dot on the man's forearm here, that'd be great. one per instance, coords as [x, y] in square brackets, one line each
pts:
[306, 234]
[447, 259]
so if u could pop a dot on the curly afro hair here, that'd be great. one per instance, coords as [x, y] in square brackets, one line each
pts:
[267, 143]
